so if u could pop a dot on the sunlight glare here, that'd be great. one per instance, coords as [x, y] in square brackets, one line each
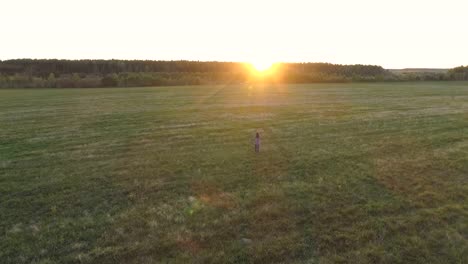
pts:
[262, 66]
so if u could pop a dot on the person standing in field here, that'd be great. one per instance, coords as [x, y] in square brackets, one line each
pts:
[257, 142]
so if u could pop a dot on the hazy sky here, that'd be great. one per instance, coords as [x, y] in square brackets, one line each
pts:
[393, 33]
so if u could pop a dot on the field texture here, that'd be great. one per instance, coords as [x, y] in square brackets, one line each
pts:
[347, 173]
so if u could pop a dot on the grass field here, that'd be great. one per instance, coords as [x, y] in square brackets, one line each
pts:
[348, 173]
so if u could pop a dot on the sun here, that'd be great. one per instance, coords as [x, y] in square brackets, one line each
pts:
[262, 66]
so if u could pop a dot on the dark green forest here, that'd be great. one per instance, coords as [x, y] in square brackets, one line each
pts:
[29, 73]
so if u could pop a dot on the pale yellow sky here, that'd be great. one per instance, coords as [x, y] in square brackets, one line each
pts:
[394, 34]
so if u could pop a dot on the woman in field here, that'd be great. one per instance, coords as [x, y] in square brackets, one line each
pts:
[257, 142]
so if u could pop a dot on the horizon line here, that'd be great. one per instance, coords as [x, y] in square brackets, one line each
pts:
[233, 61]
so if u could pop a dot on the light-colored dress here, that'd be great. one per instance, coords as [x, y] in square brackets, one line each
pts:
[257, 144]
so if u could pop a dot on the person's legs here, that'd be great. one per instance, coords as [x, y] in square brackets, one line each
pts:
[257, 148]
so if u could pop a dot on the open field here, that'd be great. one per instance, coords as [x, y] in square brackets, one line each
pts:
[350, 173]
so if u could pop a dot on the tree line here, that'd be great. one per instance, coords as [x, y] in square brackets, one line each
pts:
[29, 73]
[458, 73]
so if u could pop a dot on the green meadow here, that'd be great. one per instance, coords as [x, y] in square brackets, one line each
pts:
[347, 173]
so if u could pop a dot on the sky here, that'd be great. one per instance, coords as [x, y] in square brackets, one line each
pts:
[394, 33]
